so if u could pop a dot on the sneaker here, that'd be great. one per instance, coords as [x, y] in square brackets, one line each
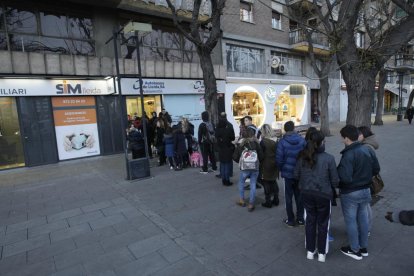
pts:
[369, 233]
[364, 252]
[310, 255]
[247, 188]
[218, 175]
[203, 172]
[331, 238]
[300, 222]
[171, 167]
[348, 251]
[289, 223]
[321, 258]
[250, 208]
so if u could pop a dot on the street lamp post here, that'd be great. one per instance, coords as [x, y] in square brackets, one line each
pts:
[138, 168]
[400, 80]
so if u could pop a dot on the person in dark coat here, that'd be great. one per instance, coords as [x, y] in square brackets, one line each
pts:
[225, 136]
[287, 151]
[268, 168]
[136, 143]
[316, 172]
[223, 116]
[410, 114]
[180, 149]
[158, 142]
[188, 130]
[169, 146]
[403, 217]
[206, 133]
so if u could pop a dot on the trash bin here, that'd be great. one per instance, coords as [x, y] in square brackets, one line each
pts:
[138, 168]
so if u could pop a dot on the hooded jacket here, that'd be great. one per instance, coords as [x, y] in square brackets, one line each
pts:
[371, 142]
[287, 152]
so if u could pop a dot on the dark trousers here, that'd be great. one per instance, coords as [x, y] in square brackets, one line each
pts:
[207, 151]
[410, 119]
[161, 155]
[138, 153]
[318, 212]
[225, 170]
[171, 161]
[270, 189]
[292, 189]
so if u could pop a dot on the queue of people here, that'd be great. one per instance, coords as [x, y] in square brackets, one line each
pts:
[310, 175]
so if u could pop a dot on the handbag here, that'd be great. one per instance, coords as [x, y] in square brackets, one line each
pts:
[377, 184]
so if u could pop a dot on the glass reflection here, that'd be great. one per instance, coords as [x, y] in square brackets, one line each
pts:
[11, 149]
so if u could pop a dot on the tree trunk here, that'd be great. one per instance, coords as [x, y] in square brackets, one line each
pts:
[324, 82]
[410, 99]
[210, 84]
[360, 86]
[380, 96]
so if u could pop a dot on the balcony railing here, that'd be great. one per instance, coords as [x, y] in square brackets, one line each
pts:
[293, 2]
[404, 61]
[298, 36]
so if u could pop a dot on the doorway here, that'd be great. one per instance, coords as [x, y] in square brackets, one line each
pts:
[38, 130]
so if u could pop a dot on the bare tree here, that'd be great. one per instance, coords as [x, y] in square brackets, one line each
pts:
[341, 20]
[193, 31]
[382, 80]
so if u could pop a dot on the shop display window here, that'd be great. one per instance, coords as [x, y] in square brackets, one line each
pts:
[248, 103]
[151, 104]
[288, 107]
[11, 148]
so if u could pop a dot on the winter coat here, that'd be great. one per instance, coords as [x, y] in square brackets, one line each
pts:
[371, 142]
[159, 135]
[268, 168]
[357, 167]
[320, 179]
[225, 147]
[136, 140]
[404, 217]
[180, 147]
[251, 144]
[410, 113]
[287, 151]
[169, 145]
[203, 133]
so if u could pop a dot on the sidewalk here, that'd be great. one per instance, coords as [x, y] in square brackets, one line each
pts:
[82, 218]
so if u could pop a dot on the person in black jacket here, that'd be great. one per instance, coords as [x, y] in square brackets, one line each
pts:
[357, 167]
[403, 217]
[136, 143]
[316, 172]
[410, 114]
[206, 136]
[225, 136]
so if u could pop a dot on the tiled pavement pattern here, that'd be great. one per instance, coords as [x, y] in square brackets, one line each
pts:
[82, 218]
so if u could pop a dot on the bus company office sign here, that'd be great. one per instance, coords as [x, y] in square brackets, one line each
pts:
[130, 86]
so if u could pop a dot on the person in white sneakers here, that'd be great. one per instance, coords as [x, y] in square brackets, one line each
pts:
[316, 172]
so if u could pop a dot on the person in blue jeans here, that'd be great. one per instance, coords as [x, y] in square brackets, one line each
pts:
[357, 167]
[287, 152]
[248, 142]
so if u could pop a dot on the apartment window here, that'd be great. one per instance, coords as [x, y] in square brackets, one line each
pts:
[360, 39]
[244, 59]
[46, 32]
[246, 12]
[276, 20]
[162, 43]
[294, 63]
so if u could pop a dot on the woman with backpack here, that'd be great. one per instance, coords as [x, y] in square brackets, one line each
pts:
[248, 154]
[316, 172]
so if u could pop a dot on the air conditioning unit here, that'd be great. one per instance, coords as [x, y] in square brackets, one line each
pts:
[274, 62]
[282, 69]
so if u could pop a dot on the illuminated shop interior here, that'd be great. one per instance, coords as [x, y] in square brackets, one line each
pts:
[151, 104]
[248, 103]
[290, 104]
[11, 148]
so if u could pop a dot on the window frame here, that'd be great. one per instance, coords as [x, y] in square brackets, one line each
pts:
[246, 12]
[276, 23]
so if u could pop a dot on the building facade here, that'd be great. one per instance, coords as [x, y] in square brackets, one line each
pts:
[58, 96]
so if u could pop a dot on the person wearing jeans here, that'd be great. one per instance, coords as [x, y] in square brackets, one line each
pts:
[242, 178]
[357, 167]
[287, 151]
[354, 209]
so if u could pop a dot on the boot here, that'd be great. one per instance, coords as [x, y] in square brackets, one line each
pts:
[226, 182]
[275, 201]
[267, 203]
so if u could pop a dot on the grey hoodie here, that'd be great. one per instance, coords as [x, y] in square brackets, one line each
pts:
[371, 142]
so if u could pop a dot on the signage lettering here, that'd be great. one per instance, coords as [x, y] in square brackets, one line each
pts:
[67, 88]
[13, 91]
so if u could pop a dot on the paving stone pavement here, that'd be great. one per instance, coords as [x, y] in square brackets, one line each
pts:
[81, 217]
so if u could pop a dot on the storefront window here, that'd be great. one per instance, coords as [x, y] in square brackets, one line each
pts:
[248, 103]
[289, 107]
[151, 104]
[11, 148]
